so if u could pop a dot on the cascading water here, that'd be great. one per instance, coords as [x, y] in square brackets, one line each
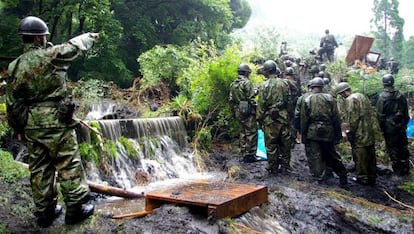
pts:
[160, 146]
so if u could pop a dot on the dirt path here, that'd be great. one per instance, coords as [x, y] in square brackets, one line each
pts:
[296, 204]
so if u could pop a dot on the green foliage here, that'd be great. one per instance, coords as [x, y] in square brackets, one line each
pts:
[408, 52]
[338, 70]
[210, 83]
[10, 170]
[408, 187]
[389, 35]
[4, 128]
[204, 138]
[129, 147]
[89, 90]
[162, 64]
[89, 152]
[111, 149]
[368, 84]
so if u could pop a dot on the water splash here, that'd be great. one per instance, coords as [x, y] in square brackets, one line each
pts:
[162, 151]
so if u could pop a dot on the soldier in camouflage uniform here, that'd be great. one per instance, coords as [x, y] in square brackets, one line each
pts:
[360, 133]
[35, 97]
[392, 110]
[328, 45]
[320, 126]
[243, 103]
[294, 93]
[272, 114]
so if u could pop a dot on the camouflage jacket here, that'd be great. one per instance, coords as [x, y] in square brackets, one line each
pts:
[241, 89]
[359, 117]
[273, 101]
[319, 118]
[38, 79]
[392, 111]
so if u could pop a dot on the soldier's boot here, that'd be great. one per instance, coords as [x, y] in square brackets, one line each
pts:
[343, 181]
[46, 218]
[249, 158]
[78, 213]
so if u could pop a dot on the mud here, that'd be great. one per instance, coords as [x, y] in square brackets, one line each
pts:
[297, 204]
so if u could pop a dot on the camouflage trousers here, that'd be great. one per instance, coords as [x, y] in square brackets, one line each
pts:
[278, 142]
[321, 154]
[56, 150]
[365, 163]
[248, 135]
[397, 150]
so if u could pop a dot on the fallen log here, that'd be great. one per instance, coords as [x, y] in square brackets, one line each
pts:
[104, 189]
[138, 214]
[113, 191]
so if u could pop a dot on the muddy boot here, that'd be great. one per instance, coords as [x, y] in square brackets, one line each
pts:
[249, 158]
[79, 213]
[343, 182]
[46, 218]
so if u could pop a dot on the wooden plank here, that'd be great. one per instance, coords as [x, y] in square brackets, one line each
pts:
[360, 47]
[214, 199]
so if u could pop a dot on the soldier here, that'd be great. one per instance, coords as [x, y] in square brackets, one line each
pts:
[360, 133]
[393, 66]
[272, 114]
[296, 116]
[320, 126]
[294, 93]
[392, 110]
[38, 106]
[243, 103]
[328, 44]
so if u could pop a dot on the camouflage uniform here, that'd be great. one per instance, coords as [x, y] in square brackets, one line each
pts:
[328, 44]
[392, 110]
[39, 79]
[242, 90]
[361, 135]
[294, 93]
[272, 110]
[320, 126]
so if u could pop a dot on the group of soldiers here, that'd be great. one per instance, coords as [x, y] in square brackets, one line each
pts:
[321, 121]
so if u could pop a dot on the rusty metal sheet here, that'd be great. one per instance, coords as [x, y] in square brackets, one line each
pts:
[213, 199]
[359, 48]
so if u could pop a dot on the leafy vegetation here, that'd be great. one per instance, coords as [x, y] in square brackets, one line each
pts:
[129, 147]
[127, 29]
[11, 171]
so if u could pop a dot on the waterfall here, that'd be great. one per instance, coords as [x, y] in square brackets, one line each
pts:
[161, 147]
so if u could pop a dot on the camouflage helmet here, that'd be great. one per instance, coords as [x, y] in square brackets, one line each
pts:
[289, 71]
[343, 86]
[270, 66]
[317, 82]
[388, 80]
[33, 26]
[243, 68]
[322, 67]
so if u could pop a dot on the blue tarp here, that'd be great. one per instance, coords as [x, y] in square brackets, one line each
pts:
[410, 128]
[261, 149]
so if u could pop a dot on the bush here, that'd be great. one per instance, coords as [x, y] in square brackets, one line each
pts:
[11, 171]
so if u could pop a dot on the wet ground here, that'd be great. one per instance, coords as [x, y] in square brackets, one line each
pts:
[296, 204]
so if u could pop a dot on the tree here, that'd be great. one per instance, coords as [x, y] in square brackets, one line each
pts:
[408, 53]
[160, 22]
[389, 35]
[127, 28]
